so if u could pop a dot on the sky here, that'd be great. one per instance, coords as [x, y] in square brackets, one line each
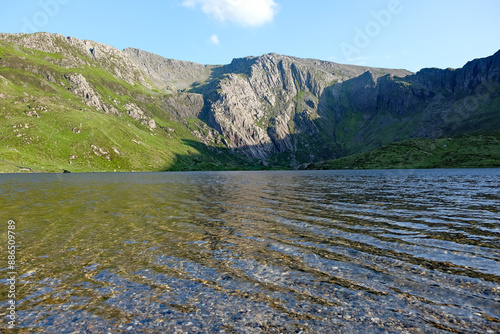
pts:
[409, 34]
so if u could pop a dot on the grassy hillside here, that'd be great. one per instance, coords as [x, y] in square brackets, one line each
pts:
[460, 152]
[46, 128]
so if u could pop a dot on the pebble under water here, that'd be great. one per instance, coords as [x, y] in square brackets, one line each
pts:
[392, 251]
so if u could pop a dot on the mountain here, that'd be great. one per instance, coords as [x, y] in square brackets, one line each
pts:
[68, 104]
[432, 103]
[80, 105]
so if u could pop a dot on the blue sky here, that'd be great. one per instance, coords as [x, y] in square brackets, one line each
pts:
[406, 34]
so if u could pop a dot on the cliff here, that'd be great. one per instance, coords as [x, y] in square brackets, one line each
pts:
[368, 112]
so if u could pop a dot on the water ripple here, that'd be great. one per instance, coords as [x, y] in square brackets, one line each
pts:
[244, 252]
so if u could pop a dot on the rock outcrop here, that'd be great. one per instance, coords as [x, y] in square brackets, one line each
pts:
[81, 88]
[136, 113]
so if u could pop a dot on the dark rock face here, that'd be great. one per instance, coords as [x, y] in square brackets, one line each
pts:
[429, 104]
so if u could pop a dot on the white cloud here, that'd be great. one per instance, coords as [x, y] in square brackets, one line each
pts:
[215, 39]
[247, 13]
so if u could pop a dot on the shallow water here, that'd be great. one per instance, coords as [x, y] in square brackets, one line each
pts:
[248, 252]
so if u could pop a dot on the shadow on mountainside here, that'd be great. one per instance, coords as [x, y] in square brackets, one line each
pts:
[208, 158]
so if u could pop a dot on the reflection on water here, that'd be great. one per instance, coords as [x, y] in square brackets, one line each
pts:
[245, 252]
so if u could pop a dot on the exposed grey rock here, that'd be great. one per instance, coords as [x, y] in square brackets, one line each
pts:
[76, 52]
[168, 74]
[136, 113]
[185, 105]
[80, 87]
[255, 108]
[100, 152]
[32, 113]
[152, 124]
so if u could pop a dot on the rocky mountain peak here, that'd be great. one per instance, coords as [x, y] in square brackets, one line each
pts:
[77, 52]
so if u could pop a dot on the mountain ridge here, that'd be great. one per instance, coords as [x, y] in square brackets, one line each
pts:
[274, 110]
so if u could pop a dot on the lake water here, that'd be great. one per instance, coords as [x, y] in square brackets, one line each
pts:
[397, 251]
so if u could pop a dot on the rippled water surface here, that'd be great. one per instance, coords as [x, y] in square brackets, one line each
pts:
[255, 252]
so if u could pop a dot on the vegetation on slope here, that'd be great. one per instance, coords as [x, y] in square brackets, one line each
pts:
[474, 151]
[46, 128]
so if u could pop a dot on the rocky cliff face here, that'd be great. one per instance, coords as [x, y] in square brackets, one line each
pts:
[262, 104]
[368, 112]
[255, 105]
[80, 87]
[274, 108]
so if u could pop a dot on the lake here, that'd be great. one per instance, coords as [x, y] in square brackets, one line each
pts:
[398, 251]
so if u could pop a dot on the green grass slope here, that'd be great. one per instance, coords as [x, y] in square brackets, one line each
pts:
[46, 128]
[475, 151]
